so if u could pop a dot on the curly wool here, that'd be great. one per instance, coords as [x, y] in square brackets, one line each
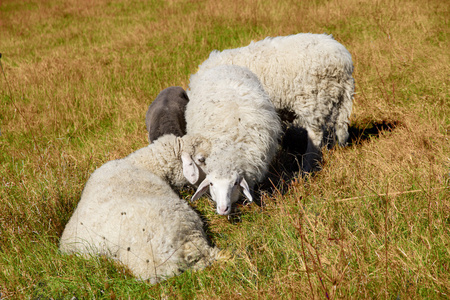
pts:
[163, 159]
[230, 108]
[130, 213]
[310, 74]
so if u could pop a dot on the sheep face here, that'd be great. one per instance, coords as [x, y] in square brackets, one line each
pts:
[224, 190]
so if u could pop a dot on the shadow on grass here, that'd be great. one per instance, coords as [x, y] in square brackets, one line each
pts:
[358, 133]
[287, 164]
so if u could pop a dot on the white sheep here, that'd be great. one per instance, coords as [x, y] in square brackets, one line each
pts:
[165, 115]
[309, 74]
[229, 107]
[129, 212]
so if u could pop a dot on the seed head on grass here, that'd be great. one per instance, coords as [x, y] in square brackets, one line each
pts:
[374, 220]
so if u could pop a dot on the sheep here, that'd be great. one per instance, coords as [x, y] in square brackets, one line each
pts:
[229, 107]
[308, 74]
[128, 211]
[166, 113]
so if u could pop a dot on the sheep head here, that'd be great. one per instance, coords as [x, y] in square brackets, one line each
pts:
[194, 150]
[224, 190]
[191, 167]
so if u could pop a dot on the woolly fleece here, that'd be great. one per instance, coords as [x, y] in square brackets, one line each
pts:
[310, 74]
[129, 213]
[165, 115]
[230, 108]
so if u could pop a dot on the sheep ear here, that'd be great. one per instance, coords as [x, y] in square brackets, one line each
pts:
[190, 169]
[179, 145]
[246, 189]
[202, 188]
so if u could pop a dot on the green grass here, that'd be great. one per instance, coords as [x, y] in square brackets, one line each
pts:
[374, 223]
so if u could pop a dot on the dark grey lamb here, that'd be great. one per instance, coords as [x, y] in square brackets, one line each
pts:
[165, 114]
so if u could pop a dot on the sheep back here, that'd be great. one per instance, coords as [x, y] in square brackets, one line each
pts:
[229, 106]
[165, 115]
[310, 74]
[132, 215]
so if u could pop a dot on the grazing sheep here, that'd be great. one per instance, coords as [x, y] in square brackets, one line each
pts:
[309, 74]
[166, 113]
[229, 107]
[129, 212]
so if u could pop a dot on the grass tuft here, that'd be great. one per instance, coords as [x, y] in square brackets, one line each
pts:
[78, 76]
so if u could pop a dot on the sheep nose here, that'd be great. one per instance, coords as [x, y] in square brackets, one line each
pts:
[224, 210]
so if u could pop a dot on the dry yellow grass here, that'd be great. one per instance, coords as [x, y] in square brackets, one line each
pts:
[374, 223]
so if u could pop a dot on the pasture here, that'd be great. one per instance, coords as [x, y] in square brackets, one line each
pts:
[77, 78]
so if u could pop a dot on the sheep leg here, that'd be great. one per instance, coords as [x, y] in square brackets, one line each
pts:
[313, 154]
[342, 133]
[344, 112]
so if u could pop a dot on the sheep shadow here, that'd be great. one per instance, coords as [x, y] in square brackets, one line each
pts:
[287, 164]
[359, 133]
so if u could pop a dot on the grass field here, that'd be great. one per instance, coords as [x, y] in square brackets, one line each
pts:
[78, 77]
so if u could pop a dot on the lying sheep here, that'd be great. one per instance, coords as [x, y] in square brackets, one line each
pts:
[309, 74]
[166, 113]
[229, 107]
[129, 212]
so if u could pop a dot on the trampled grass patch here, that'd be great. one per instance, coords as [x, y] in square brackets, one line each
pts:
[373, 223]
